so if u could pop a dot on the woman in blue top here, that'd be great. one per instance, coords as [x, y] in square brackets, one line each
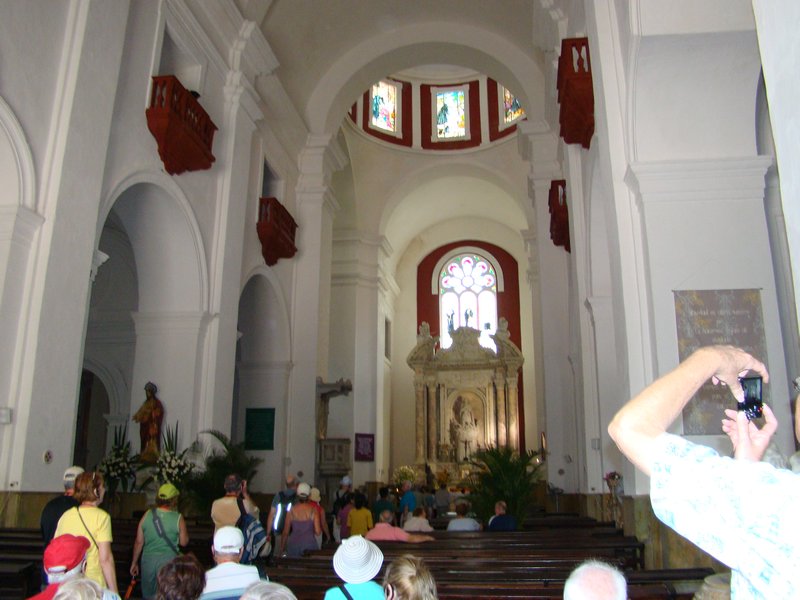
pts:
[161, 530]
[357, 562]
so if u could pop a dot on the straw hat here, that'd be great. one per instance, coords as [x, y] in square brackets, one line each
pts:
[357, 560]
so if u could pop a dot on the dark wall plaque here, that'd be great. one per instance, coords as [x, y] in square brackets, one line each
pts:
[259, 429]
[365, 447]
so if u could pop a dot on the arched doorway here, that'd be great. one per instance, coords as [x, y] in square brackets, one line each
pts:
[90, 430]
[262, 374]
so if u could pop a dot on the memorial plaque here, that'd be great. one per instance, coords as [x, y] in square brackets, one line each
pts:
[708, 317]
[259, 429]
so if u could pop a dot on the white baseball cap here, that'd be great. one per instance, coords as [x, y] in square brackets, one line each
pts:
[71, 474]
[228, 540]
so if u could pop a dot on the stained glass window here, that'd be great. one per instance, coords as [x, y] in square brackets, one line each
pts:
[468, 298]
[512, 110]
[383, 110]
[450, 110]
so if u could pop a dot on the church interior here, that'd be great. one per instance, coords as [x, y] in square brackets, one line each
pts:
[376, 234]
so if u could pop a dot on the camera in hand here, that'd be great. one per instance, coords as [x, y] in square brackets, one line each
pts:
[752, 406]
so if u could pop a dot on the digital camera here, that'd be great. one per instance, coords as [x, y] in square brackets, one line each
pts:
[752, 406]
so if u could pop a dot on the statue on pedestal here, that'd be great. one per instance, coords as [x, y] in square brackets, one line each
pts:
[150, 416]
[464, 429]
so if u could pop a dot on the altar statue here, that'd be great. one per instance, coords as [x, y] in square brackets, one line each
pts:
[150, 416]
[464, 429]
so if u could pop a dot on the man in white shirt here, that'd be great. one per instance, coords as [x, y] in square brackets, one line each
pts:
[228, 579]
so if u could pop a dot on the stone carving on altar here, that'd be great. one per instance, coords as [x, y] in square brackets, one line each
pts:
[465, 395]
[465, 428]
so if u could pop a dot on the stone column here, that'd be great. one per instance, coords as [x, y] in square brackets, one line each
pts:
[512, 419]
[502, 422]
[316, 207]
[491, 400]
[419, 454]
[431, 454]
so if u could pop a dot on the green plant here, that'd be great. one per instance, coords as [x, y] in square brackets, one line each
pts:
[202, 487]
[502, 474]
[404, 473]
[119, 466]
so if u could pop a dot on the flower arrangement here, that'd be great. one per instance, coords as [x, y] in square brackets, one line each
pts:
[171, 465]
[404, 473]
[120, 465]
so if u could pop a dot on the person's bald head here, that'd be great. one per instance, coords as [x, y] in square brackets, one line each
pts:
[291, 482]
[595, 580]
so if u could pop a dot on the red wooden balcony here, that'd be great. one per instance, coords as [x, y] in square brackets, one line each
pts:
[559, 214]
[276, 229]
[183, 130]
[575, 93]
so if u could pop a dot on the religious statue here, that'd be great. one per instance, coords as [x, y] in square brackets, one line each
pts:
[450, 326]
[150, 416]
[464, 429]
[467, 314]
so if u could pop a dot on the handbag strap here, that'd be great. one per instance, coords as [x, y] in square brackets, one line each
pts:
[160, 531]
[240, 503]
[91, 537]
[345, 592]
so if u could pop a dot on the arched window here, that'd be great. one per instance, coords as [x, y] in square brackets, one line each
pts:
[468, 297]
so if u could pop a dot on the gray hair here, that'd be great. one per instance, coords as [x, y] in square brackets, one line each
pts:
[267, 590]
[595, 580]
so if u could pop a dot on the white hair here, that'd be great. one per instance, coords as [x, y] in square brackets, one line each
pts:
[267, 590]
[62, 576]
[79, 589]
[595, 580]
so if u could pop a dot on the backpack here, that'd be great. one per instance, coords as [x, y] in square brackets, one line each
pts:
[255, 537]
[283, 507]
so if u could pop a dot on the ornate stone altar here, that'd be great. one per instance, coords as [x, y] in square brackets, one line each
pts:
[466, 395]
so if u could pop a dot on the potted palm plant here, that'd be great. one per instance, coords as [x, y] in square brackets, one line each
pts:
[502, 474]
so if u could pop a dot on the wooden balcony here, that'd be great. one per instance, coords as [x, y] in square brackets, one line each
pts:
[559, 213]
[575, 93]
[183, 130]
[276, 229]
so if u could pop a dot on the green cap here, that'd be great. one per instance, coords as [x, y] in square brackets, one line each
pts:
[167, 492]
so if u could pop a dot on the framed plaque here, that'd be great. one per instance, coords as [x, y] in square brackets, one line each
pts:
[365, 447]
[259, 429]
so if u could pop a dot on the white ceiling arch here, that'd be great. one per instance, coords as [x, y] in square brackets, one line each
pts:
[462, 192]
[420, 44]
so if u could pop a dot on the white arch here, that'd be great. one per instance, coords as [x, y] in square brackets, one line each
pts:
[282, 308]
[21, 151]
[420, 43]
[113, 381]
[462, 167]
[167, 184]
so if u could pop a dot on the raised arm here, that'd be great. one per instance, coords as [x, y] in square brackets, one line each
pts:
[641, 421]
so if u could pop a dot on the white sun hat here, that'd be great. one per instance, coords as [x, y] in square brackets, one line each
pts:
[357, 560]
